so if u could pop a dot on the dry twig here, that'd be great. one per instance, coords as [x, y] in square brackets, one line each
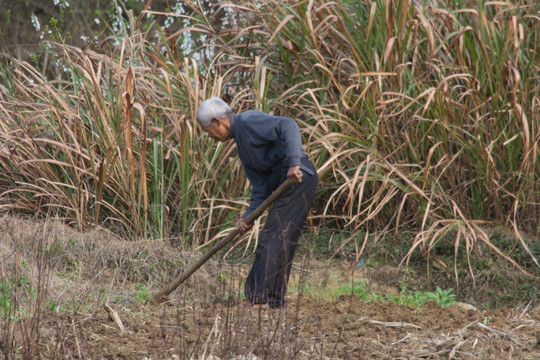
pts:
[391, 324]
[114, 315]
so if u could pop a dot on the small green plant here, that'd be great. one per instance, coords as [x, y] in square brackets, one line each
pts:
[444, 298]
[34, 58]
[359, 290]
[6, 302]
[487, 320]
[14, 291]
[118, 299]
[142, 293]
[52, 305]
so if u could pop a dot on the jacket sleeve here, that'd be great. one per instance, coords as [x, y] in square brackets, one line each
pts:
[289, 133]
[259, 190]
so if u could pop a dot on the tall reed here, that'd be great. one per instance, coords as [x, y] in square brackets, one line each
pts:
[426, 111]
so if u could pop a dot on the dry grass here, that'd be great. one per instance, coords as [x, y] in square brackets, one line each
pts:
[427, 114]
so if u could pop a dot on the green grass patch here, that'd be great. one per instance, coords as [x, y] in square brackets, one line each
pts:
[14, 292]
[142, 294]
[444, 298]
[332, 289]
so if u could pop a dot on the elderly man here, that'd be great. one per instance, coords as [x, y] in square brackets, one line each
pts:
[270, 149]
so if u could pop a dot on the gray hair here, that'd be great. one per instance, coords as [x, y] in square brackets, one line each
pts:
[212, 108]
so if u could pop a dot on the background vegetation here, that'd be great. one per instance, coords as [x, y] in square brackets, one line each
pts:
[427, 113]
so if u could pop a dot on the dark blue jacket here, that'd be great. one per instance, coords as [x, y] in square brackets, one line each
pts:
[265, 143]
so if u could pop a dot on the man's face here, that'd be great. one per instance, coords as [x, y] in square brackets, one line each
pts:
[217, 131]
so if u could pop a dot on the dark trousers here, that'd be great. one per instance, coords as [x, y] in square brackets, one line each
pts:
[269, 275]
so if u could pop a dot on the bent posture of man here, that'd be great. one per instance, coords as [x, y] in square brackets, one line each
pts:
[270, 149]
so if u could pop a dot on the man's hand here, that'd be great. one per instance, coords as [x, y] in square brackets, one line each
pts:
[241, 226]
[295, 174]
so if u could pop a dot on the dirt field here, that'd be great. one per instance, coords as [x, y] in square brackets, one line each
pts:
[343, 329]
[99, 285]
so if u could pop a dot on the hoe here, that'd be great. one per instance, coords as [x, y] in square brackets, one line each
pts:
[184, 275]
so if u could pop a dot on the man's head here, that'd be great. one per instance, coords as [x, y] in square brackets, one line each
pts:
[214, 116]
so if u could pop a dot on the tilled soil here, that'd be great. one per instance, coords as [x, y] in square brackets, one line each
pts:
[309, 328]
[345, 329]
